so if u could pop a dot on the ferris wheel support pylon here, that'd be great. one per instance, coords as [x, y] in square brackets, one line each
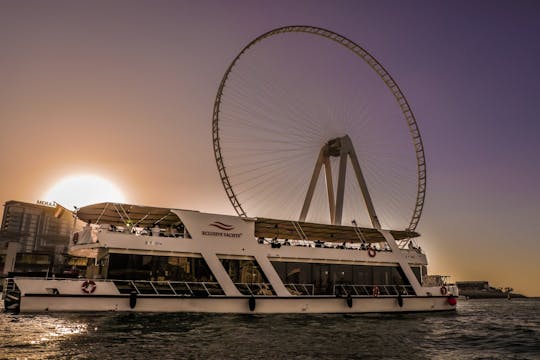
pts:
[343, 148]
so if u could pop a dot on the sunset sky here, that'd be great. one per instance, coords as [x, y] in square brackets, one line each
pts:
[125, 90]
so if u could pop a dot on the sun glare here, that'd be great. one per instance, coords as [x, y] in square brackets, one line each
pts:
[82, 190]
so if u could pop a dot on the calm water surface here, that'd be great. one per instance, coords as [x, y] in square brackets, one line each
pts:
[481, 329]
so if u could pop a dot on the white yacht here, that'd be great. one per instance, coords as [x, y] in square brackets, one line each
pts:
[144, 258]
[149, 259]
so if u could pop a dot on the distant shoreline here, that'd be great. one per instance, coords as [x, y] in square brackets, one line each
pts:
[490, 295]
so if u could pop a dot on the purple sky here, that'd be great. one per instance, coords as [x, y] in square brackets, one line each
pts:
[125, 89]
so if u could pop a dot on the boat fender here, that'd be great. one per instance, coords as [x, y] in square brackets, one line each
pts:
[349, 300]
[444, 290]
[251, 303]
[75, 238]
[132, 299]
[452, 300]
[371, 252]
[400, 300]
[376, 291]
[88, 287]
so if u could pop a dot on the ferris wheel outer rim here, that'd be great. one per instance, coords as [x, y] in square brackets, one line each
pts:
[375, 66]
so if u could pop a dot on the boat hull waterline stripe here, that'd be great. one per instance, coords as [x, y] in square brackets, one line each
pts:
[264, 305]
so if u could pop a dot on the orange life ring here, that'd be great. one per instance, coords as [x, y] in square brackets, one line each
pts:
[371, 252]
[88, 287]
[444, 290]
[376, 291]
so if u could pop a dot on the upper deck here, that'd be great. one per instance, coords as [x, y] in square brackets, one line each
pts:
[143, 219]
[143, 229]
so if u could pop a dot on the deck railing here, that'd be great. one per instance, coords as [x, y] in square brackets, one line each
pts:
[209, 288]
[173, 288]
[258, 289]
[301, 289]
[373, 290]
[353, 290]
[203, 289]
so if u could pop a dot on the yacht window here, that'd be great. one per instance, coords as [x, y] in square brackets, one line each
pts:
[417, 270]
[247, 276]
[31, 262]
[321, 278]
[158, 268]
[244, 271]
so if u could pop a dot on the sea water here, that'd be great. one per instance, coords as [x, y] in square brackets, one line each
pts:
[480, 329]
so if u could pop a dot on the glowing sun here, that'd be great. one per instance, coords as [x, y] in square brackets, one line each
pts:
[82, 190]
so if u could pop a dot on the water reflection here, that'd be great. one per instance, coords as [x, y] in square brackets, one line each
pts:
[36, 336]
[60, 331]
[492, 329]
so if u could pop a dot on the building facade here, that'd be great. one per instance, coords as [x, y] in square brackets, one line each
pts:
[34, 237]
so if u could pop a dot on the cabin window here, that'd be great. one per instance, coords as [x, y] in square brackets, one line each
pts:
[247, 276]
[321, 279]
[417, 270]
[32, 263]
[158, 268]
[244, 271]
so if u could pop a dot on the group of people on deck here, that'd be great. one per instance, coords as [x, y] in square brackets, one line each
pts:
[275, 243]
[155, 230]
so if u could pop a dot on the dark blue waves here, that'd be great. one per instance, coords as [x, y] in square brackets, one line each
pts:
[481, 329]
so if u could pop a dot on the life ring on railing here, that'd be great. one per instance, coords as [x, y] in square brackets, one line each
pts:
[88, 287]
[376, 291]
[371, 252]
[444, 290]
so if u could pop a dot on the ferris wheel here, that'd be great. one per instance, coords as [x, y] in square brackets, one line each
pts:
[309, 126]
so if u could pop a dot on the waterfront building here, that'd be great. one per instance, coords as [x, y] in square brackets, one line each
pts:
[34, 237]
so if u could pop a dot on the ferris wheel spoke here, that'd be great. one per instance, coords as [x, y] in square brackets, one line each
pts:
[293, 95]
[260, 103]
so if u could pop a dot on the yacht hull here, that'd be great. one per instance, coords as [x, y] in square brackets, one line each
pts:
[241, 305]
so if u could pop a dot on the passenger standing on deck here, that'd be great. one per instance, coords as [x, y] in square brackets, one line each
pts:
[155, 230]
